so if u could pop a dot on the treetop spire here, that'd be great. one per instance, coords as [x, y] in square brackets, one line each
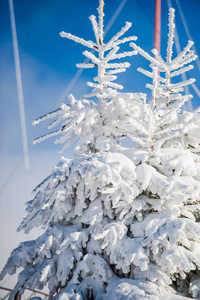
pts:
[105, 87]
[101, 15]
[165, 89]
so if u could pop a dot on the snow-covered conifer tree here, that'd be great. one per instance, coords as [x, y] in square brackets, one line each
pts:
[167, 97]
[119, 222]
[170, 223]
[81, 204]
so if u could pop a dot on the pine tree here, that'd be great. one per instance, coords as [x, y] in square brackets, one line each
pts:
[119, 222]
[170, 228]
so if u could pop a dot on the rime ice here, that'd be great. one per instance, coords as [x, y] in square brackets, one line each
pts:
[119, 222]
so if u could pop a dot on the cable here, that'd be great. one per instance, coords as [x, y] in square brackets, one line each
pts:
[196, 89]
[184, 77]
[178, 50]
[145, 12]
[19, 86]
[69, 87]
[187, 31]
[114, 17]
[150, 19]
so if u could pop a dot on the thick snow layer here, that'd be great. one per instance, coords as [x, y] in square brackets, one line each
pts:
[119, 223]
[168, 296]
[127, 289]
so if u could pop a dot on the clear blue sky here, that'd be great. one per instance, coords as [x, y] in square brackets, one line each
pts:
[47, 66]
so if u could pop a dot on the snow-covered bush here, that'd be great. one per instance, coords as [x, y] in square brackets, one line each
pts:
[119, 222]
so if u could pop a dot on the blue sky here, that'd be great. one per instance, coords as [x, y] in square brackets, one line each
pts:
[47, 66]
[48, 61]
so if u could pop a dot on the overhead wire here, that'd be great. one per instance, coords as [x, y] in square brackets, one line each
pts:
[20, 100]
[70, 85]
[177, 43]
[190, 38]
[178, 50]
[79, 72]
[145, 12]
[150, 19]
[114, 17]
[19, 85]
[187, 31]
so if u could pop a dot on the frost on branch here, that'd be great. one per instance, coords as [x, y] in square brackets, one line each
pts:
[105, 88]
[96, 127]
[106, 218]
[119, 222]
[169, 140]
[77, 188]
[164, 91]
[165, 123]
[85, 121]
[190, 132]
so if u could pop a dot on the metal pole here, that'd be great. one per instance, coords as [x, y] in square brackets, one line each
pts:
[157, 27]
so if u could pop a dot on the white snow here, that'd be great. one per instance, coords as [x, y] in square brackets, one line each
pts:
[119, 222]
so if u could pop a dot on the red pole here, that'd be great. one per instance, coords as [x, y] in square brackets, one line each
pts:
[157, 28]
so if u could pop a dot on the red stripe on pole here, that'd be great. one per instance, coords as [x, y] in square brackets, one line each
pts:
[157, 32]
